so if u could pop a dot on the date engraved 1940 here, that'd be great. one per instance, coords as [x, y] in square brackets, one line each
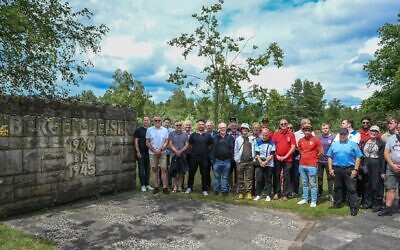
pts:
[80, 156]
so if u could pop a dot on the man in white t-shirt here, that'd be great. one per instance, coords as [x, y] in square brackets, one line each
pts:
[354, 135]
[157, 142]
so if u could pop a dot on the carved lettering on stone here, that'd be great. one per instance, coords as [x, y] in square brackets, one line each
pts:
[76, 126]
[80, 156]
[92, 126]
[101, 127]
[42, 124]
[54, 126]
[66, 127]
[111, 127]
[29, 125]
[16, 127]
[121, 127]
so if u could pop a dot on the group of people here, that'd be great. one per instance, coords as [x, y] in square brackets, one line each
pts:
[259, 163]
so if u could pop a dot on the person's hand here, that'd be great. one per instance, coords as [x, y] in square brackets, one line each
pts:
[332, 172]
[178, 153]
[383, 176]
[157, 152]
[353, 173]
[138, 155]
[396, 168]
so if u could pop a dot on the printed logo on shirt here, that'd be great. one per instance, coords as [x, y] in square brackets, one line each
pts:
[288, 139]
[311, 142]
[329, 141]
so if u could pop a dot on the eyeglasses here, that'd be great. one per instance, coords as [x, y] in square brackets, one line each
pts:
[157, 120]
[178, 125]
[283, 124]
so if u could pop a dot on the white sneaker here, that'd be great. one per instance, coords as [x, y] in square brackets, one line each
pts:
[257, 198]
[188, 191]
[205, 193]
[302, 202]
[143, 188]
[268, 198]
[313, 204]
[149, 188]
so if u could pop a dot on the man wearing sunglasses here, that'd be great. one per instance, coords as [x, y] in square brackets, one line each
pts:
[285, 144]
[157, 142]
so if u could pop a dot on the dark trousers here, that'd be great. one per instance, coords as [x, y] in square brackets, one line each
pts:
[144, 169]
[295, 177]
[343, 179]
[279, 166]
[202, 163]
[263, 180]
[321, 167]
[374, 189]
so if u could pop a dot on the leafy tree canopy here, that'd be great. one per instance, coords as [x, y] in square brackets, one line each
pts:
[43, 41]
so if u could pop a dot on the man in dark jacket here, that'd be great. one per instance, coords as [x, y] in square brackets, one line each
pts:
[221, 156]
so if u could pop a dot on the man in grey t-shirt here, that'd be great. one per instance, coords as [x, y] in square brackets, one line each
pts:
[392, 156]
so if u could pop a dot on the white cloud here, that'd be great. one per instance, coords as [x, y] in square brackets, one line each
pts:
[125, 47]
[370, 46]
[160, 94]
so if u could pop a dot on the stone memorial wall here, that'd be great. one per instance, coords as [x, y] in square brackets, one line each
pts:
[53, 152]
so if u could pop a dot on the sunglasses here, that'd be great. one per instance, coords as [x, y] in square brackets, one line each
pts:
[283, 124]
[290, 127]
[365, 122]
[157, 120]
[178, 125]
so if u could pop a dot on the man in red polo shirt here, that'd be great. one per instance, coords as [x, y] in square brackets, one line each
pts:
[310, 149]
[285, 143]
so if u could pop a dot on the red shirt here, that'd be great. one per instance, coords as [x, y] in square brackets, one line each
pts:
[309, 151]
[283, 143]
[365, 135]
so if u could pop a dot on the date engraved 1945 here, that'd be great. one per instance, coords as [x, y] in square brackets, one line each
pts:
[80, 156]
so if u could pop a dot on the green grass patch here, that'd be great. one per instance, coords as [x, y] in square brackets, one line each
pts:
[11, 238]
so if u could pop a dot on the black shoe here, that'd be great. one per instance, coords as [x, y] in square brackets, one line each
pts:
[353, 211]
[365, 207]
[386, 211]
[225, 194]
[156, 190]
[336, 206]
[216, 193]
[165, 191]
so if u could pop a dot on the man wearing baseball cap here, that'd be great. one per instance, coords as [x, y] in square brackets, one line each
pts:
[244, 155]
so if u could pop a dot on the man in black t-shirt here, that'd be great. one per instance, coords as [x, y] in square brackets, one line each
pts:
[200, 145]
[142, 154]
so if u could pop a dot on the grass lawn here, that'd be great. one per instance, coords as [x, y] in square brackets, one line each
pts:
[11, 238]
[322, 209]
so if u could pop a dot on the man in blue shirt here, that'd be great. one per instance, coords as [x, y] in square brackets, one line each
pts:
[344, 157]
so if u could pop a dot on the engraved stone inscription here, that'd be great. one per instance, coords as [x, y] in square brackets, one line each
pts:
[80, 156]
[16, 126]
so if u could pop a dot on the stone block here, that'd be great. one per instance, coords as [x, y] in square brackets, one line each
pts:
[11, 162]
[121, 128]
[6, 193]
[30, 142]
[73, 190]
[53, 165]
[30, 128]
[113, 112]
[30, 192]
[65, 108]
[130, 127]
[50, 177]
[10, 105]
[116, 182]
[52, 153]
[130, 114]
[104, 145]
[56, 142]
[90, 110]
[128, 154]
[128, 166]
[4, 143]
[7, 180]
[92, 127]
[31, 160]
[66, 127]
[16, 143]
[108, 164]
[25, 205]
[101, 127]
[25, 180]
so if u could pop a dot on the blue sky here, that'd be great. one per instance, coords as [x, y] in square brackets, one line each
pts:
[323, 41]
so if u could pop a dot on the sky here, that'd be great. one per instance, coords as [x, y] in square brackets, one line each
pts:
[323, 41]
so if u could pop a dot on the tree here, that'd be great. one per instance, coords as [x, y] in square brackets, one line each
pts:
[86, 96]
[42, 42]
[305, 99]
[384, 71]
[220, 79]
[127, 91]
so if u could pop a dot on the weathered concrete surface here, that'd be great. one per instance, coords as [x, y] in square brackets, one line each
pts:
[135, 220]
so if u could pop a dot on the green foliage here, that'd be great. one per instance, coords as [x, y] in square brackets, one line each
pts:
[43, 41]
[305, 100]
[127, 91]
[384, 71]
[220, 79]
[86, 96]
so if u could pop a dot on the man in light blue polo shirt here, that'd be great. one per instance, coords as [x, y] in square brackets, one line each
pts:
[344, 157]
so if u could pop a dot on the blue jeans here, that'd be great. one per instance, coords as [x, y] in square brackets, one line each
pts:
[144, 169]
[309, 176]
[221, 170]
